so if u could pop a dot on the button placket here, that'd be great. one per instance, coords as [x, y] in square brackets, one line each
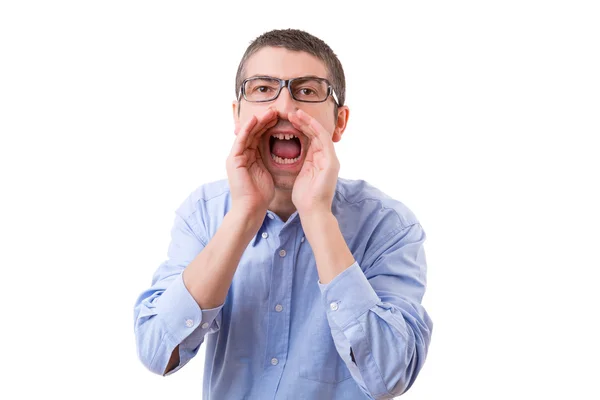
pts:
[280, 294]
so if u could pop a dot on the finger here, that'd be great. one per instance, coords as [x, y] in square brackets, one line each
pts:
[254, 139]
[247, 133]
[263, 122]
[240, 141]
[255, 144]
[301, 125]
[315, 125]
[313, 129]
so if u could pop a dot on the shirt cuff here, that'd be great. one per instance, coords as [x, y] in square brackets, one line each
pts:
[348, 296]
[181, 314]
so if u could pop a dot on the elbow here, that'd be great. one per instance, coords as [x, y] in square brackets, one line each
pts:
[415, 357]
[411, 370]
[400, 385]
[149, 338]
[151, 349]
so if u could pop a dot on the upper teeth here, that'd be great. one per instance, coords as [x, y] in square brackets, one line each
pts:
[283, 136]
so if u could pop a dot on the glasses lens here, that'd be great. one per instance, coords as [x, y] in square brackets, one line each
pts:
[308, 89]
[261, 89]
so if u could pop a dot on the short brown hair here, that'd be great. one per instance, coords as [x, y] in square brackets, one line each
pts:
[297, 40]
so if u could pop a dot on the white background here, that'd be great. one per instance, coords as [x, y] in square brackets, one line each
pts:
[482, 117]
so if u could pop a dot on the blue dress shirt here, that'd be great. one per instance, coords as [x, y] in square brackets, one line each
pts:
[280, 333]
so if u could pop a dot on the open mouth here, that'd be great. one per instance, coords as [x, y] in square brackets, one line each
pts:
[285, 148]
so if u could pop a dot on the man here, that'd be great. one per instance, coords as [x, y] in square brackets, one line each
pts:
[304, 285]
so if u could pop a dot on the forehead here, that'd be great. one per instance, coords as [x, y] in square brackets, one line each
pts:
[284, 64]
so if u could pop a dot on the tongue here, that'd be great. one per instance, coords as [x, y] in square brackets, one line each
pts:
[286, 148]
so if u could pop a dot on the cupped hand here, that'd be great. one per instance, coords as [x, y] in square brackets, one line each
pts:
[315, 185]
[251, 184]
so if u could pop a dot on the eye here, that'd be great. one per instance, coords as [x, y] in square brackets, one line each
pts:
[262, 89]
[306, 92]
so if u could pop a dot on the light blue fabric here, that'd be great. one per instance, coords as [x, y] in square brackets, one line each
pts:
[281, 334]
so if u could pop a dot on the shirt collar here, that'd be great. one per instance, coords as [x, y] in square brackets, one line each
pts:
[270, 216]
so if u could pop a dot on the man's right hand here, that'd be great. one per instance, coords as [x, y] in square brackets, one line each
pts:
[250, 183]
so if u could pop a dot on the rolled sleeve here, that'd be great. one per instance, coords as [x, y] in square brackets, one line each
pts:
[379, 311]
[348, 296]
[186, 323]
[166, 314]
[179, 311]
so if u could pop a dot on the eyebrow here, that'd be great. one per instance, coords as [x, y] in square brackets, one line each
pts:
[259, 76]
[269, 76]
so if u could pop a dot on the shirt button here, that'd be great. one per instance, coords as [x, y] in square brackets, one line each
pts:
[205, 325]
[302, 240]
[333, 306]
[270, 215]
[274, 361]
[189, 323]
[265, 235]
[278, 307]
[282, 253]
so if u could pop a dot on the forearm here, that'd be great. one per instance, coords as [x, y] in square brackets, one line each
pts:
[380, 313]
[332, 254]
[167, 316]
[208, 277]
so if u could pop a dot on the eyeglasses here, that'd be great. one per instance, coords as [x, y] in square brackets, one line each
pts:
[259, 89]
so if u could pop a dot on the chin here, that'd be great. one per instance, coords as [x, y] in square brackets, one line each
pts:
[284, 183]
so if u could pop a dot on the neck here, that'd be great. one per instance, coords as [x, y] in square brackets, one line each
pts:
[282, 204]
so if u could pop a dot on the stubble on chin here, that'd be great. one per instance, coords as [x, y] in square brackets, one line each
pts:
[285, 183]
[281, 179]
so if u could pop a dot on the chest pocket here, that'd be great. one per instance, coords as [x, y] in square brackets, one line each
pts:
[321, 361]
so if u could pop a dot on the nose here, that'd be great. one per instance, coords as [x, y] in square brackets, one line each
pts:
[284, 103]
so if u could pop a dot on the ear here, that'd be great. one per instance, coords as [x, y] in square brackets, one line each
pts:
[236, 118]
[340, 123]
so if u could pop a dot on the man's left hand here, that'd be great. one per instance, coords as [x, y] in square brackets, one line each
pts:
[315, 185]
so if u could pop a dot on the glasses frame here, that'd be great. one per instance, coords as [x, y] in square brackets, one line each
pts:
[288, 83]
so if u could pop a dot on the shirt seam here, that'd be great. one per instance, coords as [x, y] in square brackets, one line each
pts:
[389, 235]
[162, 341]
[199, 237]
[377, 200]
[374, 361]
[360, 314]
[226, 190]
[196, 209]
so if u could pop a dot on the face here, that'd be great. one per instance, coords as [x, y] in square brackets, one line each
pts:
[285, 64]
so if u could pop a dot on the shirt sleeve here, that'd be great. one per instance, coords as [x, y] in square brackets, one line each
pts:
[166, 314]
[386, 329]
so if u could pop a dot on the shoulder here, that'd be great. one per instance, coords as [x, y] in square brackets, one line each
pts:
[211, 195]
[359, 200]
[372, 222]
[206, 206]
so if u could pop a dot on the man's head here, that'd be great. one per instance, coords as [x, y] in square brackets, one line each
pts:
[289, 54]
